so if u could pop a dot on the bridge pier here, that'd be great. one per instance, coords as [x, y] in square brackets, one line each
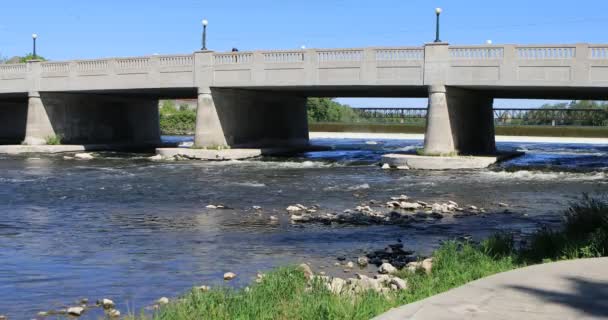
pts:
[250, 118]
[79, 118]
[459, 121]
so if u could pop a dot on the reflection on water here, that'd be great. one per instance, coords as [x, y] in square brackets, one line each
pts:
[133, 230]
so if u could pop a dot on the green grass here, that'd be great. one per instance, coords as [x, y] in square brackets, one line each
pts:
[53, 140]
[285, 293]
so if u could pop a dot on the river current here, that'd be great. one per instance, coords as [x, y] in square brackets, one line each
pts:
[126, 228]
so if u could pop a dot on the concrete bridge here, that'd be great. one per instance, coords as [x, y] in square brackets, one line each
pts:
[253, 99]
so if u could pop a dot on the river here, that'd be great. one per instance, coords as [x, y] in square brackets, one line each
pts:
[126, 228]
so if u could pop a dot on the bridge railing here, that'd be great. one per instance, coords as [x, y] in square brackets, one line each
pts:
[502, 116]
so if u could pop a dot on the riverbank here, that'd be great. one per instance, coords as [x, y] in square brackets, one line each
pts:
[420, 136]
[298, 293]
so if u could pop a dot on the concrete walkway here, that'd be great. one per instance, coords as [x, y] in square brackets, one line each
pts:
[576, 289]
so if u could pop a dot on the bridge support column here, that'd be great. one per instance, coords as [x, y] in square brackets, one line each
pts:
[459, 121]
[38, 127]
[250, 119]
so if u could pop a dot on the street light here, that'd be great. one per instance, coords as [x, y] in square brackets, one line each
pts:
[205, 23]
[34, 37]
[437, 12]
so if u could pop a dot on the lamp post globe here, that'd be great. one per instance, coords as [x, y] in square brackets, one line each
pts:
[437, 13]
[205, 23]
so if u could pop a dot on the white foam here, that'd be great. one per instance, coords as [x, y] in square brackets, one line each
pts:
[527, 175]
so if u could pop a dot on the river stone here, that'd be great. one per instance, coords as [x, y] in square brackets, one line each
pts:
[502, 204]
[113, 313]
[401, 284]
[75, 311]
[306, 270]
[2, 317]
[40, 314]
[106, 303]
[409, 205]
[363, 261]
[387, 268]
[211, 207]
[293, 209]
[350, 265]
[229, 276]
[83, 156]
[336, 285]
[204, 288]
[386, 166]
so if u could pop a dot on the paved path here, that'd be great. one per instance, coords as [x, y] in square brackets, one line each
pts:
[576, 289]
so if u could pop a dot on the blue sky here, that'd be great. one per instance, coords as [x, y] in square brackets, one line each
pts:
[70, 29]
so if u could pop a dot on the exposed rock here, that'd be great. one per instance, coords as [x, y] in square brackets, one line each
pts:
[306, 270]
[75, 311]
[229, 275]
[39, 314]
[162, 301]
[84, 301]
[336, 285]
[386, 166]
[259, 277]
[257, 208]
[274, 218]
[2, 317]
[393, 254]
[387, 268]
[473, 208]
[409, 205]
[350, 265]
[211, 206]
[400, 198]
[293, 209]
[426, 265]
[401, 284]
[83, 156]
[363, 261]
[113, 313]
[105, 303]
[453, 203]
[502, 204]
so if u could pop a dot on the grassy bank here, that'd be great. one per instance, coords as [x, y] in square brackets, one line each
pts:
[532, 131]
[286, 294]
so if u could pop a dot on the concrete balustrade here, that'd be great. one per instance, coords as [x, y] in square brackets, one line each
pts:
[230, 86]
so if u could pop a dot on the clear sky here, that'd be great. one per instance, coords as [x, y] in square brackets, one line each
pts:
[71, 29]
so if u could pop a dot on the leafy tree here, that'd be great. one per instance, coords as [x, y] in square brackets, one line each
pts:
[31, 56]
[328, 110]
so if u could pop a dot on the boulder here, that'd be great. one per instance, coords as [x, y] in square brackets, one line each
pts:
[386, 166]
[409, 205]
[229, 276]
[211, 206]
[350, 265]
[113, 313]
[336, 285]
[83, 156]
[363, 261]
[502, 204]
[75, 311]
[293, 209]
[204, 288]
[105, 303]
[162, 301]
[401, 284]
[306, 270]
[387, 268]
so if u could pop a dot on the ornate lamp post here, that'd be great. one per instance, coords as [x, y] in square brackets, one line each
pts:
[438, 13]
[205, 23]
[34, 37]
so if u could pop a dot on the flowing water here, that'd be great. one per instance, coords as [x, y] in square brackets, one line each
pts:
[133, 230]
